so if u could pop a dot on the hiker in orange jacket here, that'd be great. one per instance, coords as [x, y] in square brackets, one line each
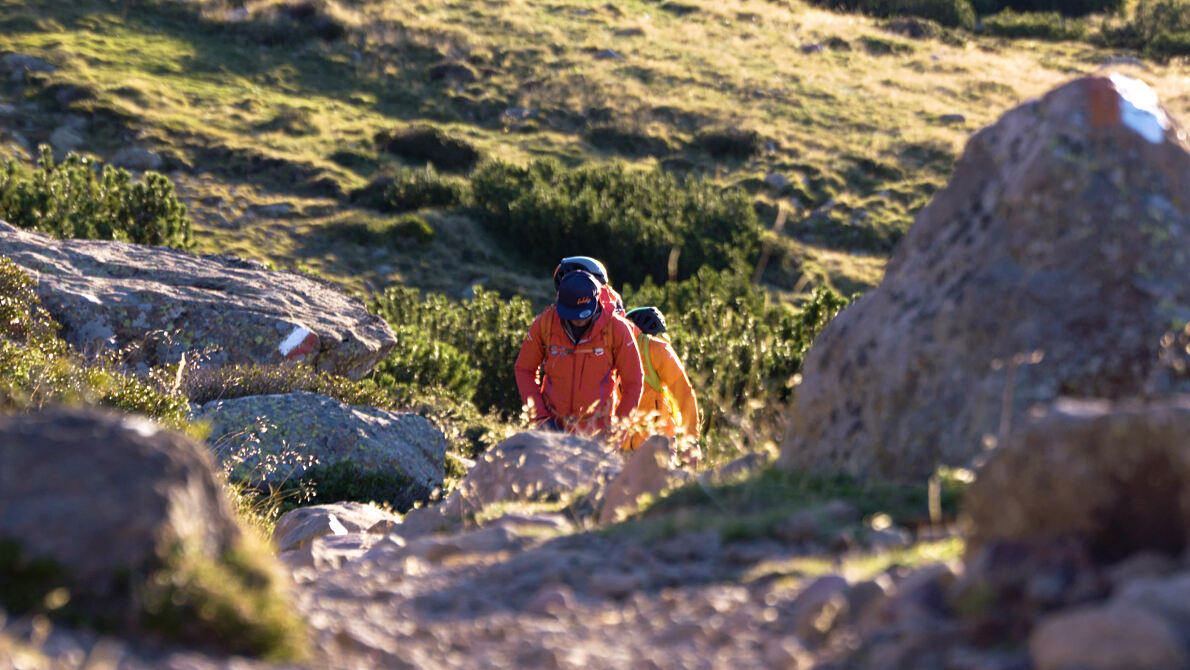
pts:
[667, 404]
[579, 365]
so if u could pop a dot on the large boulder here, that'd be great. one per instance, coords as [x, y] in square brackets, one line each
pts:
[1052, 264]
[99, 494]
[273, 438]
[218, 310]
[1112, 478]
[110, 520]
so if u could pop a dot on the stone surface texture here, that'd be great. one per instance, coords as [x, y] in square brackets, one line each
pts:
[217, 310]
[274, 437]
[103, 495]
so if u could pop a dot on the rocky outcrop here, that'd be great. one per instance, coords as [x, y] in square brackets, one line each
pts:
[1052, 264]
[217, 310]
[105, 497]
[278, 437]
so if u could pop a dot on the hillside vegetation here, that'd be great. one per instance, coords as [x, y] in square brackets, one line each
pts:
[398, 146]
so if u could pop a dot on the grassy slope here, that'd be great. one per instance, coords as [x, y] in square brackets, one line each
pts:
[858, 131]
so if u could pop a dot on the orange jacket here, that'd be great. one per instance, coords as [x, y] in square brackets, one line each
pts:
[668, 397]
[583, 385]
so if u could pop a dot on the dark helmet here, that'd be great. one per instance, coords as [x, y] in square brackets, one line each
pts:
[649, 319]
[584, 263]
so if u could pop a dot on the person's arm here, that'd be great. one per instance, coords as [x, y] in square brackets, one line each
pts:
[528, 368]
[673, 376]
[628, 365]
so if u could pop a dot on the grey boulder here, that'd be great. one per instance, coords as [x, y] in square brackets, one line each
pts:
[217, 310]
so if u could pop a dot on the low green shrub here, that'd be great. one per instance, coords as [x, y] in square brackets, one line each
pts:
[753, 505]
[420, 363]
[369, 231]
[640, 218]
[444, 339]
[729, 143]
[413, 189]
[74, 200]
[1160, 29]
[626, 141]
[430, 144]
[1050, 26]
[233, 603]
[949, 13]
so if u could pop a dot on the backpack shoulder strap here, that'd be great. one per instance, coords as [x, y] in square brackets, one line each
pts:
[651, 377]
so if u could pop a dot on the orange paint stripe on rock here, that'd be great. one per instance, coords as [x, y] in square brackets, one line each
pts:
[1103, 102]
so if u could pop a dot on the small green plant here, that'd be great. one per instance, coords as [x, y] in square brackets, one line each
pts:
[420, 363]
[753, 504]
[458, 348]
[74, 199]
[729, 143]
[234, 603]
[626, 141]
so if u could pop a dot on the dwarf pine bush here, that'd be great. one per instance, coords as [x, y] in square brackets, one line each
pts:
[466, 350]
[1160, 29]
[640, 218]
[73, 199]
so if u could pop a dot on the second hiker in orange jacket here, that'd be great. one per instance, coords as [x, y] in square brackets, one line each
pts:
[579, 365]
[667, 404]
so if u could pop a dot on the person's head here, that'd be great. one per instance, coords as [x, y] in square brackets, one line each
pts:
[579, 263]
[650, 320]
[578, 297]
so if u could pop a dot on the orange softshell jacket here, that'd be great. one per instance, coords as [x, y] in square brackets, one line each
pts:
[667, 392]
[583, 384]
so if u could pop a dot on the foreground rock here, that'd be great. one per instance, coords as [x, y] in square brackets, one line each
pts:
[131, 530]
[1076, 557]
[1052, 263]
[533, 466]
[299, 527]
[1113, 479]
[274, 438]
[217, 310]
